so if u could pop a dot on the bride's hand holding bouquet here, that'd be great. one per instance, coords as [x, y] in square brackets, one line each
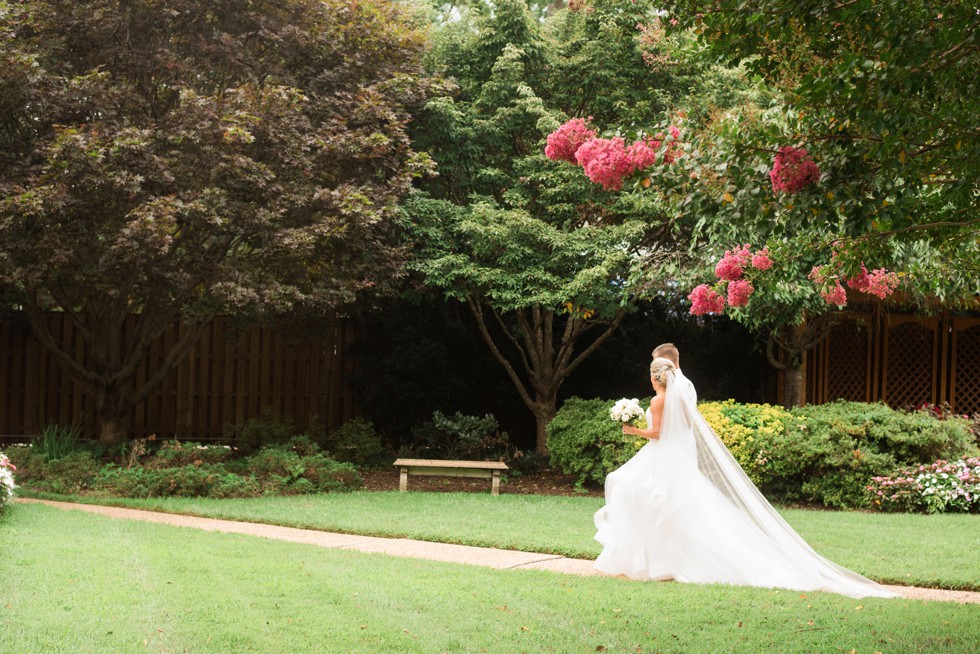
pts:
[630, 414]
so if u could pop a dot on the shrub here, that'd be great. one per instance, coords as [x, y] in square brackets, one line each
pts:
[206, 480]
[177, 454]
[823, 453]
[943, 486]
[73, 473]
[7, 485]
[280, 470]
[460, 437]
[267, 430]
[583, 440]
[749, 431]
[357, 442]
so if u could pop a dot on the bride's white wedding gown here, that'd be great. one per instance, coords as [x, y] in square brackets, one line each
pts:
[683, 509]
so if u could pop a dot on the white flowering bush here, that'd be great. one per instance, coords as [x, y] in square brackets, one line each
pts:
[628, 411]
[944, 486]
[7, 485]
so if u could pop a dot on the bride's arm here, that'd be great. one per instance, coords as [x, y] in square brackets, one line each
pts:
[652, 431]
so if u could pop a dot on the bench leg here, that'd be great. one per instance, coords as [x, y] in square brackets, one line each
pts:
[403, 481]
[495, 483]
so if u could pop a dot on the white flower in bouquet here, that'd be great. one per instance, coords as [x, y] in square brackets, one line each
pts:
[628, 411]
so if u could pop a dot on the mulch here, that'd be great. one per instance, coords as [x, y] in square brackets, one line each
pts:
[544, 482]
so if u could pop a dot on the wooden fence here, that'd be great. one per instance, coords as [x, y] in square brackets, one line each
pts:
[229, 377]
[902, 360]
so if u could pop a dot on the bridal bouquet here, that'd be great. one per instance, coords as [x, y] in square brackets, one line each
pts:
[628, 412]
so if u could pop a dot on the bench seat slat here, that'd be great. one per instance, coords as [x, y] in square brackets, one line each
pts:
[436, 463]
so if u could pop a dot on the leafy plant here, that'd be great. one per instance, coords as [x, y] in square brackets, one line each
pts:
[357, 442]
[461, 436]
[56, 441]
[584, 441]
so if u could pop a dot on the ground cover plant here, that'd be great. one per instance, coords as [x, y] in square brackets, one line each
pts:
[187, 469]
[163, 589]
[940, 551]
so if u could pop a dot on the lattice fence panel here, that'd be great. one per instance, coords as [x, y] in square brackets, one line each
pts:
[847, 362]
[966, 383]
[909, 374]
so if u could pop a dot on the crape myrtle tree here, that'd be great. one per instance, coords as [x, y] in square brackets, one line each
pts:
[861, 162]
[173, 159]
[548, 262]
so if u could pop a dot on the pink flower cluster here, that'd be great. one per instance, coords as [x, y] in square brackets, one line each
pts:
[881, 283]
[793, 170]
[730, 271]
[705, 299]
[607, 161]
[733, 263]
[565, 141]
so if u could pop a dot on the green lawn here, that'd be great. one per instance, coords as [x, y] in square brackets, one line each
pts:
[81, 583]
[941, 551]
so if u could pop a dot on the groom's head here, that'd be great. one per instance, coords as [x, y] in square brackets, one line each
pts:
[668, 351]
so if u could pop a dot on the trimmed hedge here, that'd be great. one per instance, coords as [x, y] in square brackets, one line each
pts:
[584, 441]
[825, 454]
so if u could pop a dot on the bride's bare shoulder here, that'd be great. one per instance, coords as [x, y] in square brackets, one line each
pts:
[657, 402]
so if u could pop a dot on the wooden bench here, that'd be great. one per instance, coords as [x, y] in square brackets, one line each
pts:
[482, 469]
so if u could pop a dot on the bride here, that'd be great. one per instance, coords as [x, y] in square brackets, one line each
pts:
[682, 508]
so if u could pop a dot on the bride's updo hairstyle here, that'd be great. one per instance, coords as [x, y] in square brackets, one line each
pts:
[660, 368]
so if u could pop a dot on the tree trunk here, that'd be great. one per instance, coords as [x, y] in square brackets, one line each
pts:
[544, 411]
[111, 418]
[793, 386]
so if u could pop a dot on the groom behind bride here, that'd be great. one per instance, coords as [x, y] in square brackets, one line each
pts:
[669, 351]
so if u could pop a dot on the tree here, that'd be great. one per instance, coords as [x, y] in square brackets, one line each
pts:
[182, 158]
[858, 144]
[546, 261]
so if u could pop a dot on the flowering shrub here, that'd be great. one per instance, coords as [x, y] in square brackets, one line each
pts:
[793, 170]
[564, 142]
[952, 486]
[7, 486]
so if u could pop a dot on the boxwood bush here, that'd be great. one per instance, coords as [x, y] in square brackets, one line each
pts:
[825, 454]
[584, 441]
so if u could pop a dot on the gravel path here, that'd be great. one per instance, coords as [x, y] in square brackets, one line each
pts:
[483, 556]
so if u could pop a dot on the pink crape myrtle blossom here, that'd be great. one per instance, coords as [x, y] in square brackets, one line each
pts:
[835, 295]
[605, 161]
[643, 154]
[734, 262]
[831, 289]
[739, 292]
[860, 281]
[793, 170]
[705, 299]
[881, 283]
[566, 140]
[761, 260]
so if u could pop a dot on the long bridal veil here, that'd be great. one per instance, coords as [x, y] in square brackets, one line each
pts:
[681, 424]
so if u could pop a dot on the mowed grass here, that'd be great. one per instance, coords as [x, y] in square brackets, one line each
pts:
[81, 583]
[938, 551]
